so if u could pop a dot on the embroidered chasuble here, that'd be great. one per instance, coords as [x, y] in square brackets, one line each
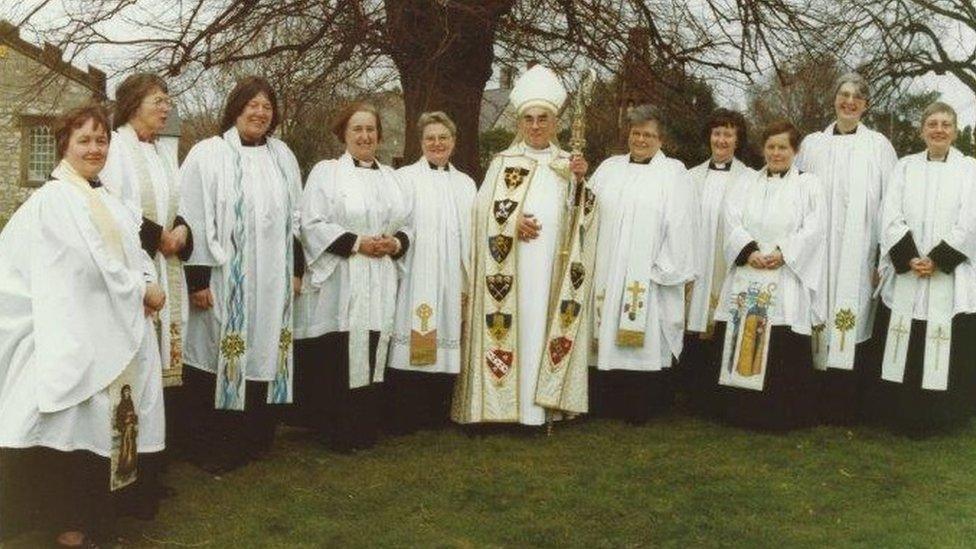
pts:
[644, 258]
[427, 335]
[145, 176]
[522, 356]
[78, 378]
[711, 188]
[928, 210]
[243, 200]
[853, 169]
[354, 293]
[766, 213]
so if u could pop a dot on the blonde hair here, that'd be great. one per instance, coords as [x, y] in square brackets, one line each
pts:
[436, 117]
[939, 107]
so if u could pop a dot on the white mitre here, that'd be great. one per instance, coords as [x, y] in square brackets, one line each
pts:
[538, 87]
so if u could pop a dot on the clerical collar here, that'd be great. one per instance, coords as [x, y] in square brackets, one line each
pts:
[720, 167]
[928, 157]
[95, 182]
[782, 174]
[374, 165]
[645, 161]
[838, 131]
[435, 167]
[255, 143]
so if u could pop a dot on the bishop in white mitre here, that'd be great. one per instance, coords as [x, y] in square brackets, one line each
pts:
[425, 356]
[524, 347]
[726, 134]
[644, 259]
[928, 292]
[853, 163]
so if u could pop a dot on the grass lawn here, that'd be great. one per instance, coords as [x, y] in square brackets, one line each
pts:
[674, 482]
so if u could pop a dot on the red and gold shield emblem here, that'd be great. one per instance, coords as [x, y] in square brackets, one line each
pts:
[499, 362]
[558, 348]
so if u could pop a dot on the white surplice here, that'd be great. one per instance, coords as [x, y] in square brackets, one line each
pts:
[121, 176]
[437, 263]
[711, 188]
[788, 213]
[647, 216]
[355, 294]
[271, 180]
[856, 162]
[71, 321]
[936, 202]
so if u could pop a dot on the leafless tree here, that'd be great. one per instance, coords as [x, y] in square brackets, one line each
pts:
[442, 51]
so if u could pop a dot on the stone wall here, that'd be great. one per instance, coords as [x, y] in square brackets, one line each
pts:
[30, 88]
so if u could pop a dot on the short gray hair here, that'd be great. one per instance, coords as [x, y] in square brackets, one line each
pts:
[436, 117]
[643, 114]
[939, 107]
[859, 82]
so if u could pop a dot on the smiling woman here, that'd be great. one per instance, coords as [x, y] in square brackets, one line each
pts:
[240, 190]
[144, 174]
[72, 252]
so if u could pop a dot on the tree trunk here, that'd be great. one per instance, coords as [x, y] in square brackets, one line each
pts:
[444, 51]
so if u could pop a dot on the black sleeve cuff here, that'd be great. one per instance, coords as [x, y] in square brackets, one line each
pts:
[404, 244]
[150, 234]
[188, 249]
[298, 258]
[903, 252]
[743, 256]
[197, 277]
[946, 258]
[342, 246]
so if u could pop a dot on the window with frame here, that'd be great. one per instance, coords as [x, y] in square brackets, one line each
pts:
[38, 151]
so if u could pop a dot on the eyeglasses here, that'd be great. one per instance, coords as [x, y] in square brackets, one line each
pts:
[847, 96]
[160, 102]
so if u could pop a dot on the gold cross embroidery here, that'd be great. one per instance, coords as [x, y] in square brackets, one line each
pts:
[424, 312]
[636, 291]
[899, 331]
[939, 337]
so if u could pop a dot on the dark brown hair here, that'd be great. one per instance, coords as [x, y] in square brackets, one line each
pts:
[725, 118]
[782, 126]
[75, 118]
[341, 119]
[248, 88]
[130, 93]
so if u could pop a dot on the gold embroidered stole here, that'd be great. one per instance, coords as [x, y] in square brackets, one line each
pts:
[123, 419]
[500, 328]
[560, 385]
[173, 332]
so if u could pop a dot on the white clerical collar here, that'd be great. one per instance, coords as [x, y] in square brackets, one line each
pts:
[944, 159]
[720, 166]
[838, 131]
[436, 168]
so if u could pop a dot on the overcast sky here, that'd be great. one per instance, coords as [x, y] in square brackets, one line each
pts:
[954, 92]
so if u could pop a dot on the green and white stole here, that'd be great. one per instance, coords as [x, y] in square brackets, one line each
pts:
[858, 168]
[938, 331]
[123, 453]
[232, 352]
[169, 325]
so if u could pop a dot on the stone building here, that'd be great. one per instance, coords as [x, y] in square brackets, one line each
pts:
[35, 85]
